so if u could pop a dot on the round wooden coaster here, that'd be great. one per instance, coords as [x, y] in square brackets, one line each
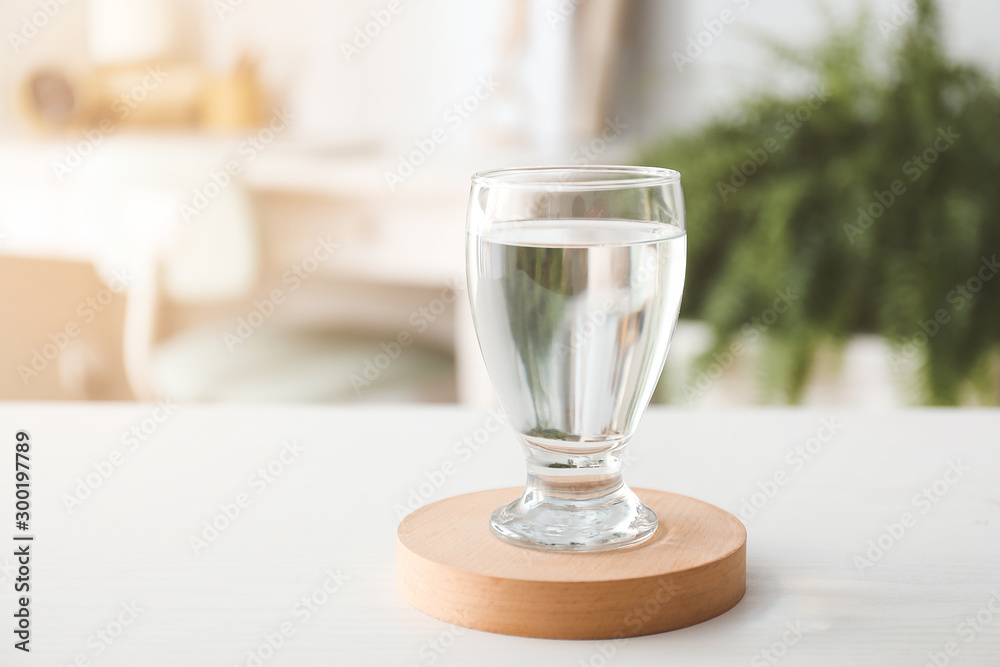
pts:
[451, 566]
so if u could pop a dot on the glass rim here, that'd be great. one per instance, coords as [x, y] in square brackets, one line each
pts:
[616, 177]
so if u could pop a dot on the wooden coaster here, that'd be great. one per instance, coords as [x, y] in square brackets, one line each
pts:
[451, 566]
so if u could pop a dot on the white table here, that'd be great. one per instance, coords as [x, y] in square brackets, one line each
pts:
[333, 509]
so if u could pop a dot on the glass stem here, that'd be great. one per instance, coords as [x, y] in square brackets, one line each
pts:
[563, 477]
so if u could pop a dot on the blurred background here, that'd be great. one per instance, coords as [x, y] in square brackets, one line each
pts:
[252, 200]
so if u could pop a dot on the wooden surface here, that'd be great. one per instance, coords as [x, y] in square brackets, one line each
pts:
[452, 567]
[335, 509]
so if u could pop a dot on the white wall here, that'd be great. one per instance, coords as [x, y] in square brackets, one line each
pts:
[658, 95]
[428, 56]
[431, 53]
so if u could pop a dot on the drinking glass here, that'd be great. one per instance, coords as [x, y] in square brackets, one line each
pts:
[575, 278]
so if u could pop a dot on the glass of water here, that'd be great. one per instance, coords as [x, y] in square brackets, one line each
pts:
[575, 278]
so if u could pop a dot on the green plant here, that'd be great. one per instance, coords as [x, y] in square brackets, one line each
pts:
[837, 209]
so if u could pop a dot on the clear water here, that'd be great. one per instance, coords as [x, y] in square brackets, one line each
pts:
[574, 319]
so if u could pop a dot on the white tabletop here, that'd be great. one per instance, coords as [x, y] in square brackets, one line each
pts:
[126, 552]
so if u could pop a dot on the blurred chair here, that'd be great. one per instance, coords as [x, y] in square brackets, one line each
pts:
[209, 274]
[289, 360]
[160, 332]
[315, 344]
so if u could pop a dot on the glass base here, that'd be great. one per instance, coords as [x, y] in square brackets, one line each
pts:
[574, 502]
